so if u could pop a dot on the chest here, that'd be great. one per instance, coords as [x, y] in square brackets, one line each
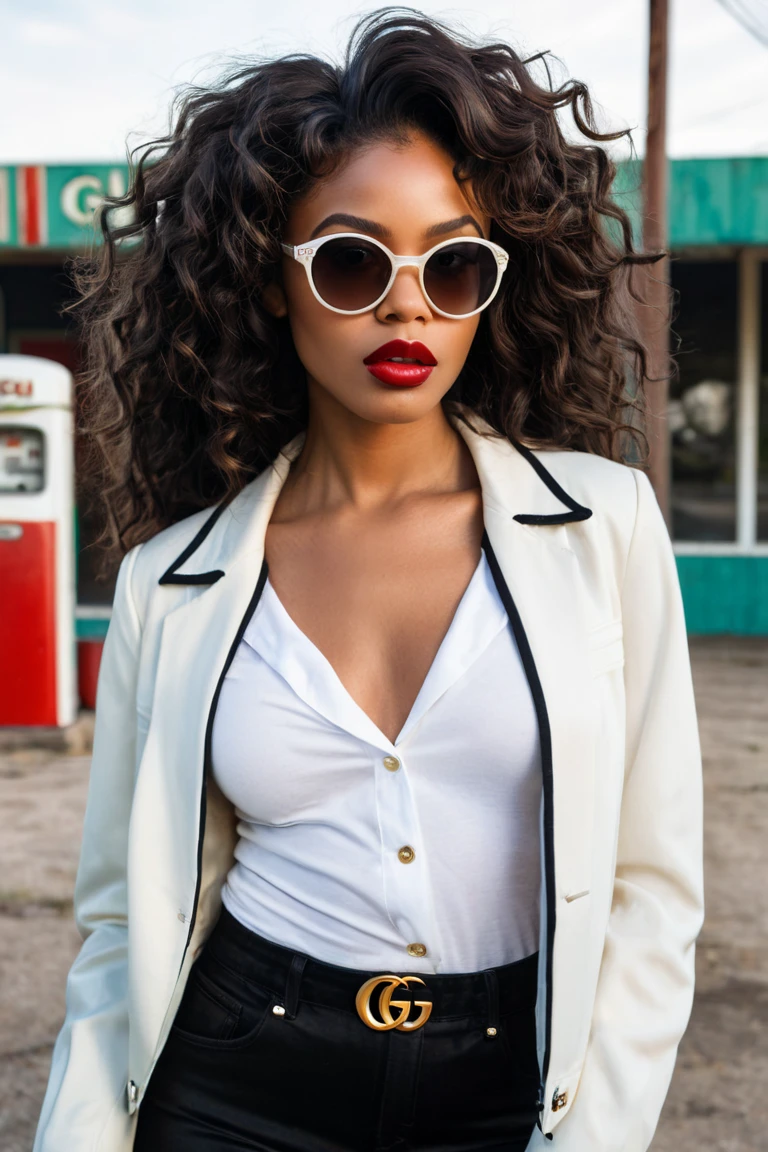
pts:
[471, 742]
[377, 595]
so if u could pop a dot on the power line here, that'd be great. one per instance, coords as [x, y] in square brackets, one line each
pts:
[752, 17]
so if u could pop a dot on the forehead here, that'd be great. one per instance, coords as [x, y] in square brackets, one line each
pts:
[406, 188]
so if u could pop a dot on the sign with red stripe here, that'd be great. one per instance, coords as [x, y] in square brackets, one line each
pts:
[31, 206]
[5, 207]
[55, 205]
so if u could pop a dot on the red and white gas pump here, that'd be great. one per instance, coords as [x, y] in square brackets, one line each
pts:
[38, 683]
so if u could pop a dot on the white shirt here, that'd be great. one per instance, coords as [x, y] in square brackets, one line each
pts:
[326, 803]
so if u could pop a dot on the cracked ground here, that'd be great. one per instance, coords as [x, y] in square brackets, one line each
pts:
[718, 1100]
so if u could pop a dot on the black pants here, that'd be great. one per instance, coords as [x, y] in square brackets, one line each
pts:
[268, 1053]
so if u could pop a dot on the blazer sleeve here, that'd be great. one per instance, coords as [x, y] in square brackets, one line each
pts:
[90, 1056]
[645, 987]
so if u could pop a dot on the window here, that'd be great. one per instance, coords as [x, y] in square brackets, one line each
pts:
[762, 458]
[703, 401]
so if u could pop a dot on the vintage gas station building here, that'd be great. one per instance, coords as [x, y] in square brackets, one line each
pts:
[719, 402]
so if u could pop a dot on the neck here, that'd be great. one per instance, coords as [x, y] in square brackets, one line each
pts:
[349, 461]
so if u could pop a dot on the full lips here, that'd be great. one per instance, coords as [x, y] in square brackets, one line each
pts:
[380, 364]
[404, 375]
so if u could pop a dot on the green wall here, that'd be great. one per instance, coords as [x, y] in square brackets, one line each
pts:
[716, 200]
[725, 594]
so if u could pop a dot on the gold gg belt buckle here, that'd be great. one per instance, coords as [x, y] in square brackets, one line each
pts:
[363, 1005]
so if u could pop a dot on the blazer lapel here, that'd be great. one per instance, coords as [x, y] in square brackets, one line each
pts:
[527, 527]
[527, 516]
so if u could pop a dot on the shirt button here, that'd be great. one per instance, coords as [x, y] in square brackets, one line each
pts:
[406, 854]
[416, 949]
[391, 763]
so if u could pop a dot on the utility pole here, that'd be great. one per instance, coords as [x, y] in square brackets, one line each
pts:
[654, 314]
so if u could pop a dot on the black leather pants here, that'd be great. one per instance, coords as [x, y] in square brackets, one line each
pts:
[268, 1053]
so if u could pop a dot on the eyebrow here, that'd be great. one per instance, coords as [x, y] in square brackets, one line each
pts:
[360, 224]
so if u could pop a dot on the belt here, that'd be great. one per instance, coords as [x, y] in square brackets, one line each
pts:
[382, 1001]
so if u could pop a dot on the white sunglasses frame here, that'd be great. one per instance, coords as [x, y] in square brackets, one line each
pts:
[305, 254]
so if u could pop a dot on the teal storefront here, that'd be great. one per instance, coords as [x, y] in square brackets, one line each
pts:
[718, 415]
[718, 212]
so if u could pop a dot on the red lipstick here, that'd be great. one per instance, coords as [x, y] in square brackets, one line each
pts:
[401, 362]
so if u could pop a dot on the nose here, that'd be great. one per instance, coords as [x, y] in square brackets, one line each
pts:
[405, 300]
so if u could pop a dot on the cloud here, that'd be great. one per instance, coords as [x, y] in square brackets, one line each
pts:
[35, 32]
[82, 79]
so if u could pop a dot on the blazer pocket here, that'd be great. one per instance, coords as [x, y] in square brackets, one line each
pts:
[606, 647]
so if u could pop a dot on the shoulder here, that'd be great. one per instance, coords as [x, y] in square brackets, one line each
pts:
[591, 478]
[193, 553]
[625, 511]
[144, 564]
[611, 490]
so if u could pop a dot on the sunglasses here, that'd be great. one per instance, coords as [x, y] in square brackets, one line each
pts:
[350, 273]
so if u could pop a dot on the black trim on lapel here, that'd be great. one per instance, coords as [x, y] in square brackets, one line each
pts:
[578, 511]
[207, 761]
[170, 577]
[545, 740]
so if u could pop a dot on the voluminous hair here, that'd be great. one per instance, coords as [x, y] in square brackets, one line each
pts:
[190, 386]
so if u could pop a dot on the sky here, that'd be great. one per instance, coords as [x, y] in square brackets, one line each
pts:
[85, 80]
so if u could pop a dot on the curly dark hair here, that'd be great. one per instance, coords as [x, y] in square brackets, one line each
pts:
[191, 387]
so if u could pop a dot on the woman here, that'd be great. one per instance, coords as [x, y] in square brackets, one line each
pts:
[393, 837]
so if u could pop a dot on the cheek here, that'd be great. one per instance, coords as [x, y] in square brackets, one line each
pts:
[311, 323]
[458, 339]
[450, 341]
[325, 341]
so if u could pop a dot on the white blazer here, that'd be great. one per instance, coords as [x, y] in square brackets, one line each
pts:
[585, 568]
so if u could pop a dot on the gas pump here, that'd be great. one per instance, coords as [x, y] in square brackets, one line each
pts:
[37, 554]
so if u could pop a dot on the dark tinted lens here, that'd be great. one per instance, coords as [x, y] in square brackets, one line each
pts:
[460, 277]
[349, 273]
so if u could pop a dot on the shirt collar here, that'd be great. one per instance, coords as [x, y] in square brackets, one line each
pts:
[273, 634]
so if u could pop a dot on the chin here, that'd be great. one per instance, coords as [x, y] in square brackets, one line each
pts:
[394, 406]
